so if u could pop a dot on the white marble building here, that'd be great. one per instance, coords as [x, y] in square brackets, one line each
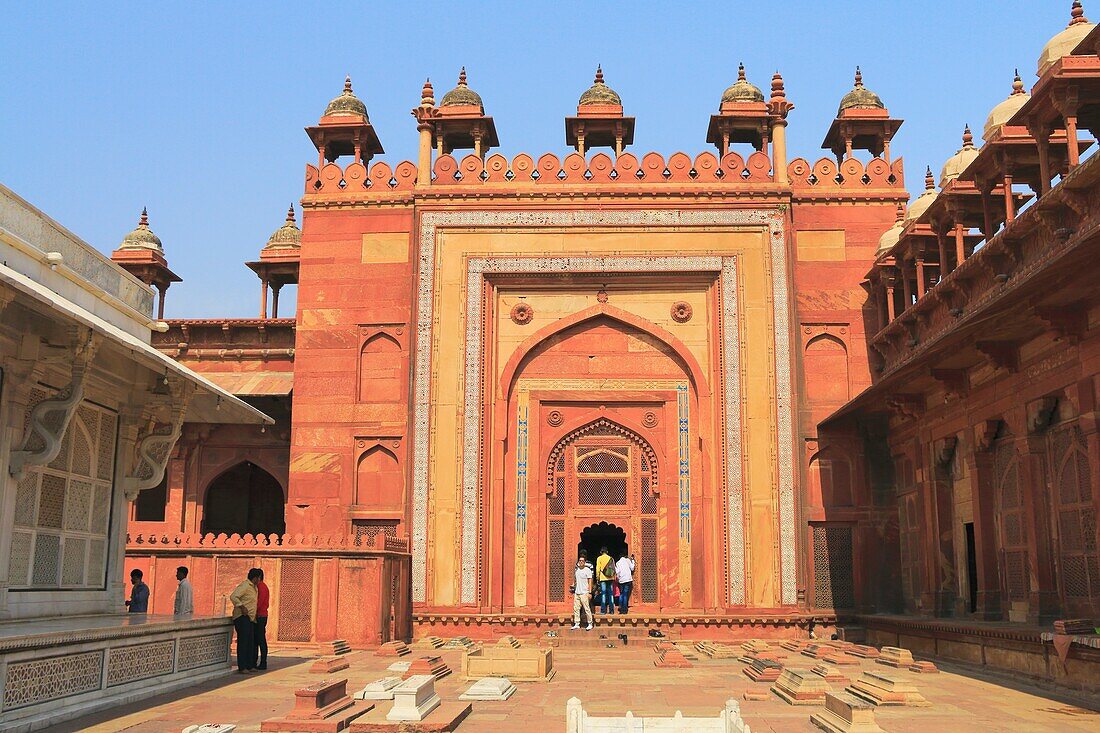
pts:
[89, 413]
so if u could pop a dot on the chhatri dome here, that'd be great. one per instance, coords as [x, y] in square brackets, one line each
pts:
[922, 202]
[142, 237]
[891, 236]
[741, 90]
[347, 104]
[961, 160]
[860, 97]
[288, 236]
[1007, 109]
[1065, 41]
[462, 95]
[599, 93]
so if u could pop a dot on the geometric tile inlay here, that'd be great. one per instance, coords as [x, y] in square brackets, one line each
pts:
[39, 680]
[141, 661]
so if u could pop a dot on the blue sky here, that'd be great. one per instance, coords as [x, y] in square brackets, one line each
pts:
[196, 110]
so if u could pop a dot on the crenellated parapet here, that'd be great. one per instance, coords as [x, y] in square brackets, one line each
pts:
[222, 541]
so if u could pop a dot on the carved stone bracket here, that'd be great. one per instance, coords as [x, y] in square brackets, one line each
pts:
[1069, 322]
[1003, 354]
[154, 448]
[953, 380]
[905, 405]
[985, 432]
[1040, 413]
[943, 450]
[50, 418]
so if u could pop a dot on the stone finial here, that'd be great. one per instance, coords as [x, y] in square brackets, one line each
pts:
[968, 137]
[1077, 13]
[778, 106]
[347, 84]
[462, 77]
[929, 179]
[144, 220]
[741, 72]
[427, 94]
[859, 78]
[599, 74]
[1018, 84]
[290, 215]
[900, 216]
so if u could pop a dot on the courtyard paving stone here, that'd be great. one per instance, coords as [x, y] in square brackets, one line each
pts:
[962, 700]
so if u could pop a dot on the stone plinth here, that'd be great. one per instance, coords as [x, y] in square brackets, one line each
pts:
[763, 670]
[846, 713]
[817, 651]
[323, 707]
[399, 667]
[489, 689]
[793, 645]
[210, 728]
[379, 689]
[924, 667]
[427, 665]
[839, 657]
[893, 656]
[430, 642]
[460, 642]
[444, 719]
[756, 695]
[510, 641]
[671, 657]
[755, 645]
[729, 720]
[865, 652]
[718, 651]
[328, 665]
[393, 649]
[527, 664]
[829, 673]
[879, 688]
[340, 646]
[414, 698]
[801, 687]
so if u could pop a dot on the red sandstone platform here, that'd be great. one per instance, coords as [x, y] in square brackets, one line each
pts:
[443, 719]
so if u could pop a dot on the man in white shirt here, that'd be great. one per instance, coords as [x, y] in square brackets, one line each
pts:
[184, 604]
[582, 593]
[624, 571]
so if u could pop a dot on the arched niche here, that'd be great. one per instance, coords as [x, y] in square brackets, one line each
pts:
[379, 480]
[825, 363]
[244, 499]
[830, 479]
[381, 372]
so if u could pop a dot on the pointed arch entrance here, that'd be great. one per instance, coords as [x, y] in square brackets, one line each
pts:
[603, 487]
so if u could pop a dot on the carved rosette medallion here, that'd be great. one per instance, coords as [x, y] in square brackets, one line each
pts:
[554, 418]
[522, 313]
[649, 419]
[681, 311]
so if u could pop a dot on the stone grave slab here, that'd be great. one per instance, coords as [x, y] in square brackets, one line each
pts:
[755, 645]
[379, 689]
[801, 687]
[328, 665]
[427, 665]
[840, 658]
[211, 728]
[444, 719]
[893, 656]
[846, 713]
[323, 707]
[414, 698]
[924, 668]
[430, 642]
[460, 642]
[817, 651]
[339, 646]
[526, 664]
[793, 645]
[490, 689]
[671, 658]
[864, 652]
[756, 695]
[879, 688]
[510, 641]
[763, 670]
[400, 667]
[715, 650]
[829, 673]
[393, 649]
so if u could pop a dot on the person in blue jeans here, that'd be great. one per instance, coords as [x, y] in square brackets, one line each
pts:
[624, 570]
[605, 573]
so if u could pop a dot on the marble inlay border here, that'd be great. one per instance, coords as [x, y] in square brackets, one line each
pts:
[731, 365]
[430, 222]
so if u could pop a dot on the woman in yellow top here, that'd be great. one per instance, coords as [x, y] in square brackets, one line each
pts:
[244, 599]
[605, 573]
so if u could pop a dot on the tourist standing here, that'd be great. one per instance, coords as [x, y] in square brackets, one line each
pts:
[263, 598]
[624, 571]
[139, 594]
[605, 573]
[184, 604]
[243, 599]
[582, 592]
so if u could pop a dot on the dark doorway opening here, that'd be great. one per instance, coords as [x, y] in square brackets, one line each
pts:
[244, 499]
[971, 568]
[601, 535]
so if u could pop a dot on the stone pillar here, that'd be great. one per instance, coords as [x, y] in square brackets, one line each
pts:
[275, 299]
[424, 156]
[1043, 602]
[263, 298]
[987, 588]
[779, 152]
[129, 423]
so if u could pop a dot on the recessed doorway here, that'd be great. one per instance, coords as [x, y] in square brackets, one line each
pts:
[596, 536]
